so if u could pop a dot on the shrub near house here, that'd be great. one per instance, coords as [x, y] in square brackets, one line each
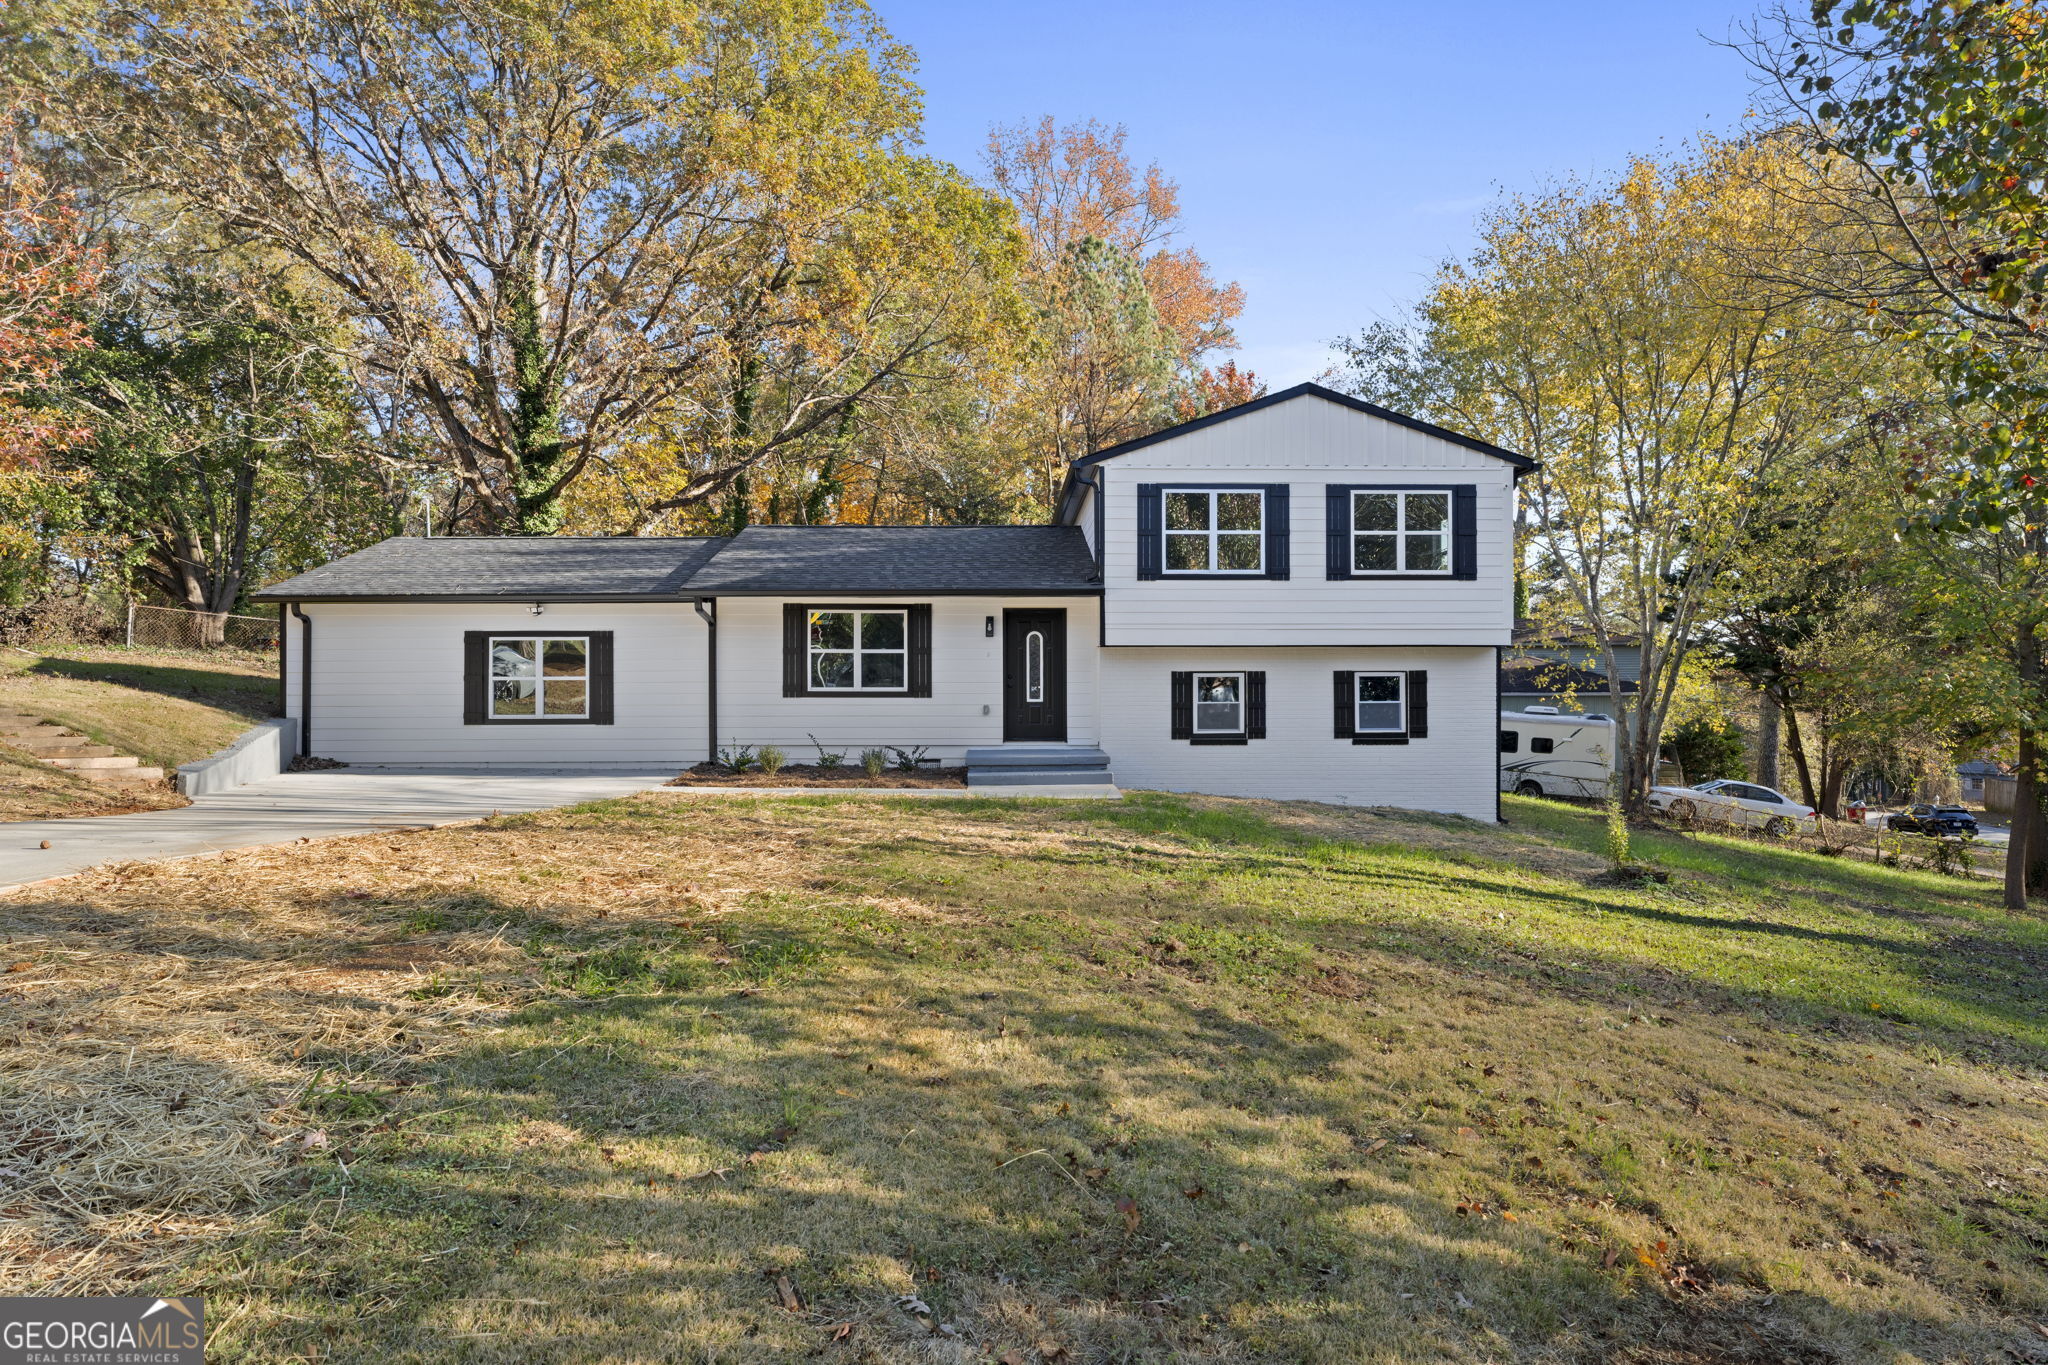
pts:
[1301, 597]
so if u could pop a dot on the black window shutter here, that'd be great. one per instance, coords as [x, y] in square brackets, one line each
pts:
[1418, 705]
[476, 676]
[1464, 531]
[795, 658]
[600, 677]
[1151, 531]
[1277, 532]
[921, 650]
[1255, 705]
[1347, 713]
[1336, 531]
[1183, 706]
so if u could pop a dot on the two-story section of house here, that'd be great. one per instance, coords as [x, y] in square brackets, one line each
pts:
[1310, 593]
[1303, 597]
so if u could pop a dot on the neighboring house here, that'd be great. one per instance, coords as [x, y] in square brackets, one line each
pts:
[1302, 597]
[1975, 776]
[1547, 667]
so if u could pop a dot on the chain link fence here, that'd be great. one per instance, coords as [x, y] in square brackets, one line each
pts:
[177, 628]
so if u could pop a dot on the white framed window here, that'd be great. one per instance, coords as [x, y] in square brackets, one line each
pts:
[1034, 667]
[540, 677]
[1379, 702]
[1219, 703]
[1214, 530]
[858, 651]
[1401, 531]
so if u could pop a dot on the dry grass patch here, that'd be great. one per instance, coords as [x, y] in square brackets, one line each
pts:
[1173, 1079]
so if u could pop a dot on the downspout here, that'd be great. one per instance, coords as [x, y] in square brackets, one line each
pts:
[283, 653]
[710, 619]
[1496, 737]
[305, 681]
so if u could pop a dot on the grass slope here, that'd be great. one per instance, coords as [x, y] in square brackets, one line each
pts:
[1177, 1079]
[165, 707]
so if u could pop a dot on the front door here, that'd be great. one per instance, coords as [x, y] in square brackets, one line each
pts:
[1035, 674]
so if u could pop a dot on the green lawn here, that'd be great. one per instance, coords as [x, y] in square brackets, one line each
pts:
[1176, 1079]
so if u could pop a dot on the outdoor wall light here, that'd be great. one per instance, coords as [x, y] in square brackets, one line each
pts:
[988, 627]
[536, 609]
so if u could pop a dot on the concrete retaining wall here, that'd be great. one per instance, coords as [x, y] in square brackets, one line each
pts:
[259, 753]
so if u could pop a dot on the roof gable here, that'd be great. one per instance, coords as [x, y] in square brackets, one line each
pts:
[1521, 463]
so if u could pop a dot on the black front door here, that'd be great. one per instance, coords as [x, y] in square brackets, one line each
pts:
[1035, 674]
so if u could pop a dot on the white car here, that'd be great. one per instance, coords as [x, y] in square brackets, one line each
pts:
[1733, 803]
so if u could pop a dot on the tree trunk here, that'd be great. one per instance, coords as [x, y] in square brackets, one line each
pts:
[1767, 738]
[2026, 822]
[1796, 742]
[537, 445]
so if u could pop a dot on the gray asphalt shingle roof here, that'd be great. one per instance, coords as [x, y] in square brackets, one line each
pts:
[760, 560]
[763, 560]
[505, 566]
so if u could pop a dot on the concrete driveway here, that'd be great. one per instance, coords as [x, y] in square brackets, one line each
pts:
[301, 805]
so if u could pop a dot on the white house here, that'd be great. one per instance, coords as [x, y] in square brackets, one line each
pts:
[1302, 597]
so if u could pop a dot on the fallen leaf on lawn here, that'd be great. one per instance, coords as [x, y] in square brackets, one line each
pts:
[1053, 1352]
[1128, 1207]
[1611, 1259]
[1376, 1145]
[911, 1303]
[1194, 1191]
[786, 1295]
[1468, 1132]
[1462, 1301]
[19, 966]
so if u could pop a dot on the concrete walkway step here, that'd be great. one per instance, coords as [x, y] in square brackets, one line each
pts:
[76, 747]
[101, 761]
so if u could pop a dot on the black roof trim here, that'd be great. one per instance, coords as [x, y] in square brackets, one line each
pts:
[1312, 390]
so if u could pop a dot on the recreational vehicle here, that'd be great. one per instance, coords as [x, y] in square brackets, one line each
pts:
[1546, 753]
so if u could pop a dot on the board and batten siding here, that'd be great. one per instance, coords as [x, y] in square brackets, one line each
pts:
[387, 685]
[1308, 444]
[965, 709]
[1451, 770]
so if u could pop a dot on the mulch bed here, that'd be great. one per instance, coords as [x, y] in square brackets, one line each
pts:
[810, 775]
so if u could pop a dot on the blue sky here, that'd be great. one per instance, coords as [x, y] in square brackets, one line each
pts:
[1330, 154]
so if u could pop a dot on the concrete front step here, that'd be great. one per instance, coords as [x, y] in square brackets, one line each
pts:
[101, 762]
[1038, 777]
[1038, 756]
[120, 777]
[77, 746]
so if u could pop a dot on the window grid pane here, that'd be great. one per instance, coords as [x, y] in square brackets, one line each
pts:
[534, 676]
[1219, 703]
[1215, 532]
[1401, 532]
[1379, 703]
[859, 651]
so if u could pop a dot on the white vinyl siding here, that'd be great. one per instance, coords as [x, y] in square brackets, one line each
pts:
[388, 685]
[1308, 444]
[965, 709]
[1451, 770]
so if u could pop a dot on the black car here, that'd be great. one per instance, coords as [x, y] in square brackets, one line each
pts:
[1935, 820]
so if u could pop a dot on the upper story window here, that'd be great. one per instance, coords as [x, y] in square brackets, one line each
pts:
[1401, 532]
[536, 677]
[859, 651]
[1215, 530]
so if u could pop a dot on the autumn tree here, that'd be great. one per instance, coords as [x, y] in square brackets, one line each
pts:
[1127, 320]
[225, 437]
[1934, 111]
[561, 225]
[1604, 331]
